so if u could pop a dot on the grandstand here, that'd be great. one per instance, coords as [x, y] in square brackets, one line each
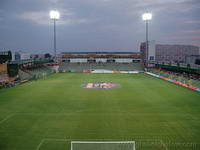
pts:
[114, 61]
[15, 72]
[184, 78]
[81, 67]
[35, 72]
[6, 79]
[5, 56]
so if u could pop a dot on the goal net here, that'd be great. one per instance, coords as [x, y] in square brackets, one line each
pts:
[103, 145]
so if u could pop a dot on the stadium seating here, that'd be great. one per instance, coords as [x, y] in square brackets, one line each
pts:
[177, 77]
[80, 67]
[34, 73]
[24, 75]
[3, 78]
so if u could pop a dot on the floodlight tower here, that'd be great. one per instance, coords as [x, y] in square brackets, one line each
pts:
[147, 17]
[54, 15]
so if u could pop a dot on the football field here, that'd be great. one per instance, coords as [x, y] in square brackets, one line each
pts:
[49, 113]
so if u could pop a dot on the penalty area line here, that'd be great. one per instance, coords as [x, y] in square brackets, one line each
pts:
[164, 144]
[49, 139]
[40, 144]
[6, 118]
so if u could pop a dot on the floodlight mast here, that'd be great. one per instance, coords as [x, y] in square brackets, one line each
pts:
[147, 17]
[54, 15]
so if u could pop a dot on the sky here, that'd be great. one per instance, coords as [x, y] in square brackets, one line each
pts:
[96, 25]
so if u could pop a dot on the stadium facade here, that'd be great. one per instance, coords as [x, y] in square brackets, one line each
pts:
[100, 57]
[22, 56]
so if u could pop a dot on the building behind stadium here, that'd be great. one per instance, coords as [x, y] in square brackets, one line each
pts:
[170, 53]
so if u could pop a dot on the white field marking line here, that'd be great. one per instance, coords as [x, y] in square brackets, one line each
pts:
[51, 114]
[49, 139]
[95, 140]
[40, 144]
[6, 118]
[164, 144]
[89, 140]
[102, 142]
[71, 146]
[76, 112]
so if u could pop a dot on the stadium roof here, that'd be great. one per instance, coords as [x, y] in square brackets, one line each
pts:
[100, 53]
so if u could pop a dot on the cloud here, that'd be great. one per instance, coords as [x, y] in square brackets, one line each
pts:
[168, 5]
[42, 18]
[1, 16]
[191, 37]
[190, 31]
[192, 22]
[160, 2]
[107, 0]
[113, 23]
[195, 37]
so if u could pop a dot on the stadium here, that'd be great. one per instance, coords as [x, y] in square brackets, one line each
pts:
[98, 101]
[99, 75]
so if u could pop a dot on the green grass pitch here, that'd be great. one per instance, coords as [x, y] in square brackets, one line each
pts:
[49, 113]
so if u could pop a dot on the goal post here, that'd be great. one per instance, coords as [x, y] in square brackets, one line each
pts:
[102, 145]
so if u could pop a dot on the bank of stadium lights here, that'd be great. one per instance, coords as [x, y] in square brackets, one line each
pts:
[54, 15]
[147, 17]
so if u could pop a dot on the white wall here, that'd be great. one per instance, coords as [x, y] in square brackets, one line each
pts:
[22, 55]
[101, 60]
[123, 60]
[25, 56]
[78, 60]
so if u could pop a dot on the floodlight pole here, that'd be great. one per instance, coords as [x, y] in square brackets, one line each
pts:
[55, 50]
[147, 41]
[146, 17]
[54, 15]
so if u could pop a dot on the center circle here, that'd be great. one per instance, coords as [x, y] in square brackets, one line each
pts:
[100, 85]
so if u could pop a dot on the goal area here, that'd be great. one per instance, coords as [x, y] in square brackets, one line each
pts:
[103, 145]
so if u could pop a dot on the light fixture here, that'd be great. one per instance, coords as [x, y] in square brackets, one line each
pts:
[54, 14]
[147, 16]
